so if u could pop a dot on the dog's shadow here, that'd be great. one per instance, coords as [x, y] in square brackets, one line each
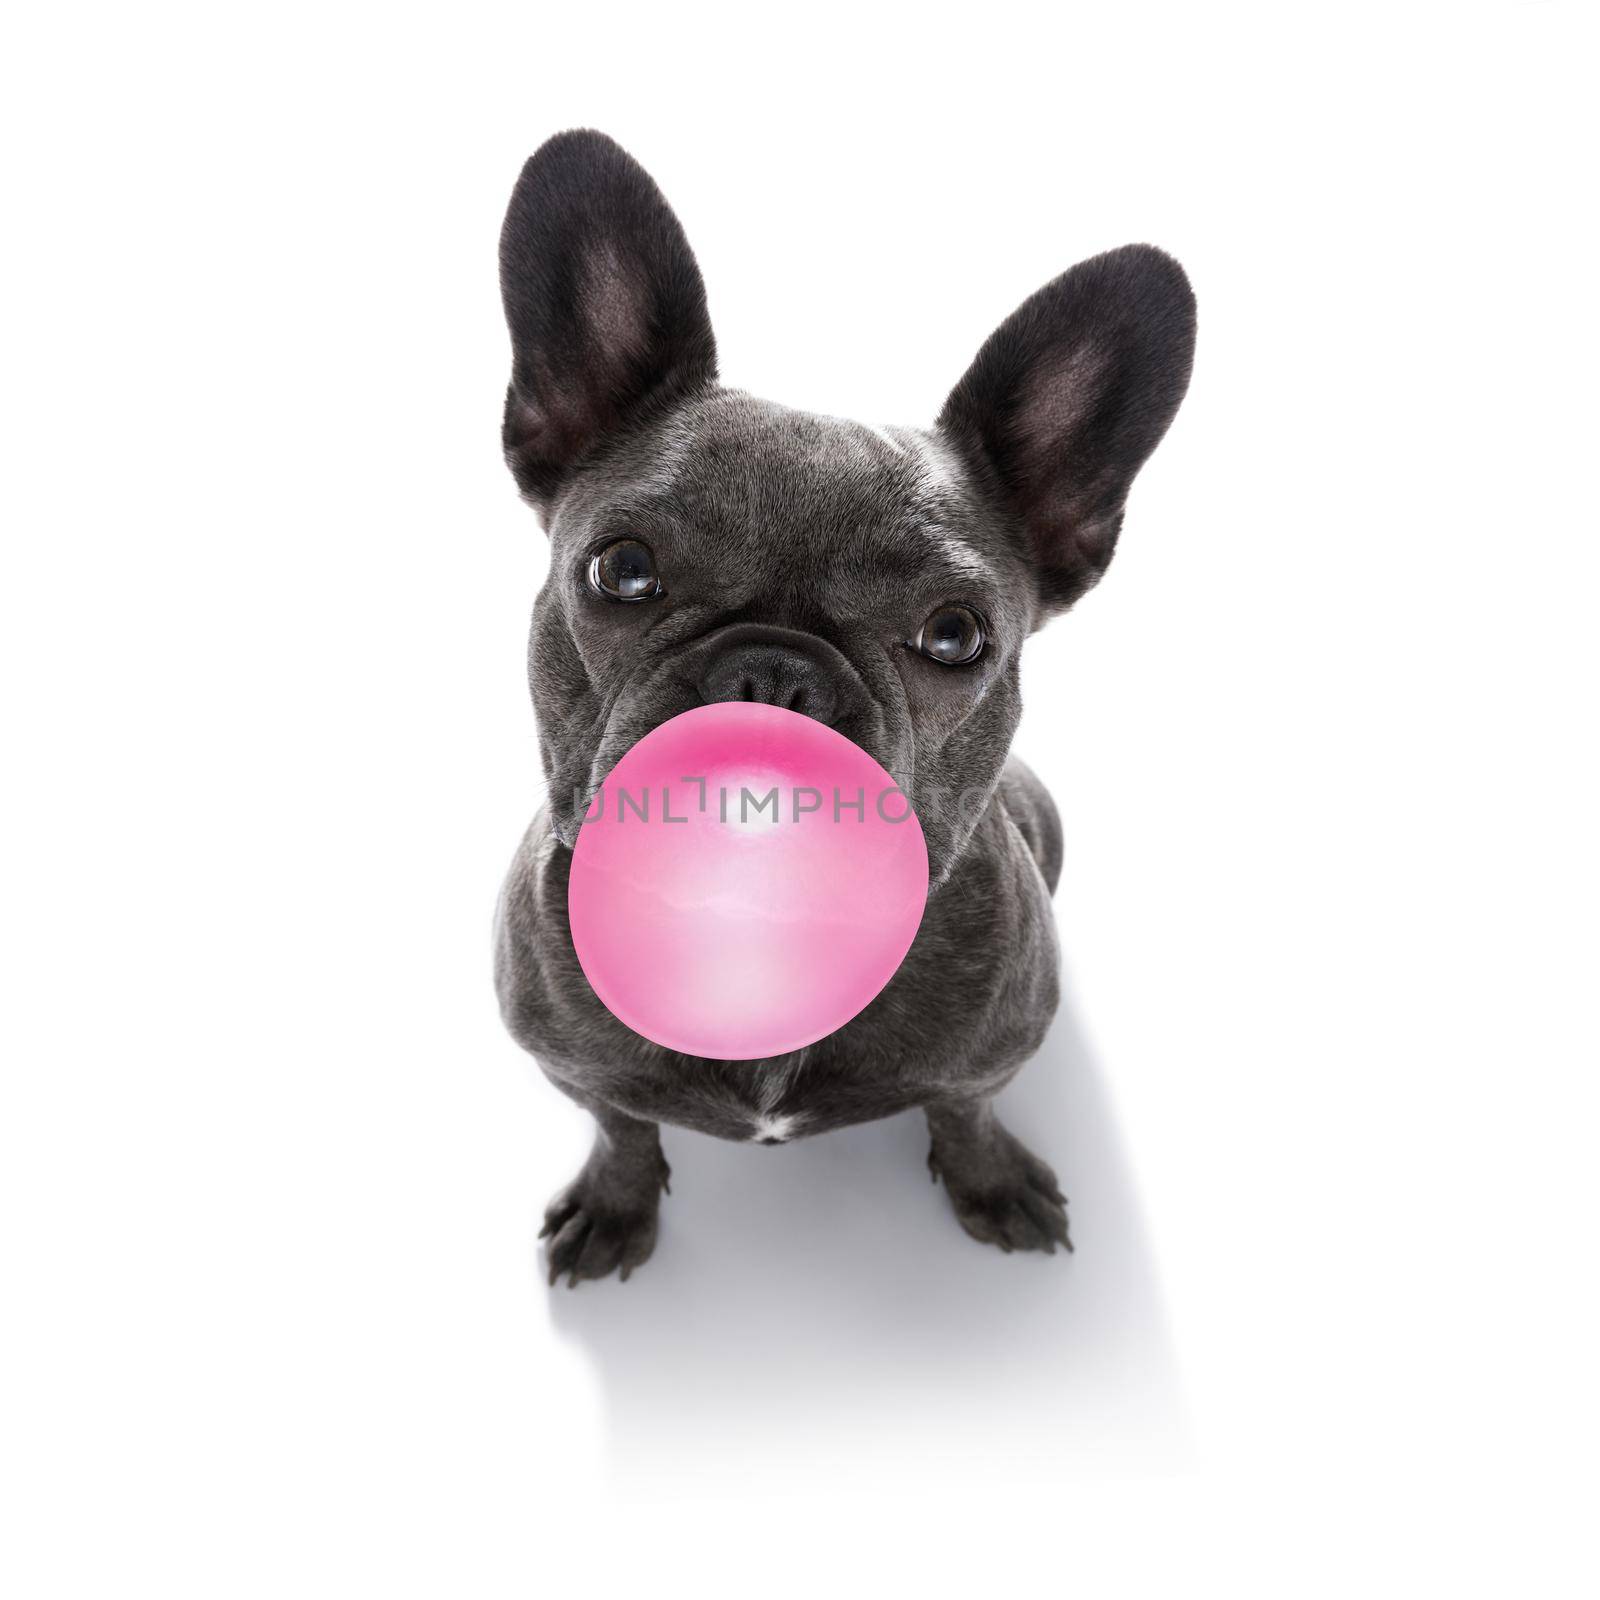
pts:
[821, 1298]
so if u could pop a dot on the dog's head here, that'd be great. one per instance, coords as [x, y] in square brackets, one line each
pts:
[710, 546]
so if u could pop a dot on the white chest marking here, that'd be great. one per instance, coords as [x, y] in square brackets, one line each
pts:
[774, 1129]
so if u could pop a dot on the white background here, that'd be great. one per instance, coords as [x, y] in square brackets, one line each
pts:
[1325, 1093]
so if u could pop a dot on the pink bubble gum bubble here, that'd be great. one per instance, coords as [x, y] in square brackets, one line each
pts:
[746, 881]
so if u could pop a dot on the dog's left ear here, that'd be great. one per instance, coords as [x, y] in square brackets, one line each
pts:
[605, 303]
[1067, 399]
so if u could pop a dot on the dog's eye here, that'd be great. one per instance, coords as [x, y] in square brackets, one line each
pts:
[625, 571]
[952, 636]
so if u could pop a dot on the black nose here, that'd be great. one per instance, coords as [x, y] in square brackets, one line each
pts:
[774, 674]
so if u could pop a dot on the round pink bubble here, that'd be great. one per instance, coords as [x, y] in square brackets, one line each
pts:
[745, 882]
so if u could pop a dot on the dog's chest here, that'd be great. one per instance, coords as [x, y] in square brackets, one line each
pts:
[763, 1102]
[968, 1004]
[812, 1091]
[922, 1040]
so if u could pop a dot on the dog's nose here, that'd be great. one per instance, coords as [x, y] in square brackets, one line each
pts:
[773, 673]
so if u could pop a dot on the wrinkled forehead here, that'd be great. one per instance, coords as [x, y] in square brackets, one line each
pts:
[821, 498]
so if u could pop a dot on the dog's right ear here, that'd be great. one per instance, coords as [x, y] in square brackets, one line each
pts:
[605, 303]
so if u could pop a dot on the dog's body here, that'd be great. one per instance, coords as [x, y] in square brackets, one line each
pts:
[711, 546]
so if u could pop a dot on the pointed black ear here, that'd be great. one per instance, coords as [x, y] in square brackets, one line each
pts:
[605, 304]
[1067, 399]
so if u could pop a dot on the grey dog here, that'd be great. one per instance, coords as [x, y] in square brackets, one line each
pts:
[710, 546]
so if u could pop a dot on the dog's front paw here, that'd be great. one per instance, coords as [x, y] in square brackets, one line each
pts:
[1008, 1197]
[595, 1228]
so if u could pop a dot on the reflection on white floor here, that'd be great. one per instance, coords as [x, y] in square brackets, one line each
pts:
[817, 1303]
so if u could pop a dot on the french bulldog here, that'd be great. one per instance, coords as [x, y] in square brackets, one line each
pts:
[708, 546]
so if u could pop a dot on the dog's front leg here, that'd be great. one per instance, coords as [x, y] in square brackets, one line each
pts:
[1002, 1193]
[605, 1219]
